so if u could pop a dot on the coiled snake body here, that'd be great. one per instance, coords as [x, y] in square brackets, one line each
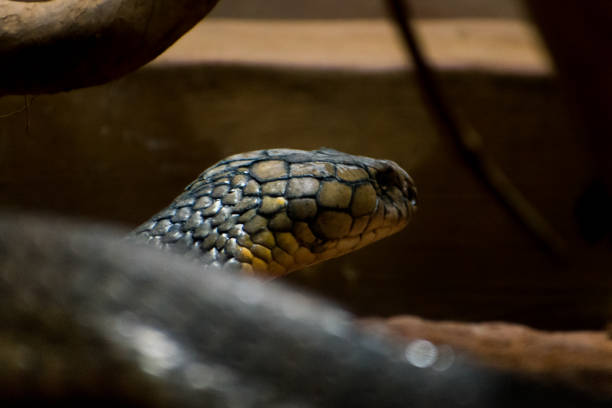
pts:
[89, 319]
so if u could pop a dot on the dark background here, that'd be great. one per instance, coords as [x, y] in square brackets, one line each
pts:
[120, 152]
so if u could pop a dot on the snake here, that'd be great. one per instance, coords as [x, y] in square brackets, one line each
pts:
[177, 312]
[270, 212]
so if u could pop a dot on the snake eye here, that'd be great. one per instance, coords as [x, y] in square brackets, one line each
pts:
[392, 181]
[387, 178]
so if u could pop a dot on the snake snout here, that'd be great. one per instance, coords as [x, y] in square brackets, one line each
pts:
[391, 175]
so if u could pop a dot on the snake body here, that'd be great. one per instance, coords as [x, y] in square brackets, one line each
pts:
[90, 319]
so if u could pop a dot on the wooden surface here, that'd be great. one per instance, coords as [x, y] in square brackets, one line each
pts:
[372, 44]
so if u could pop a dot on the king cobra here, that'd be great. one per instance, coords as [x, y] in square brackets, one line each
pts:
[269, 212]
[93, 319]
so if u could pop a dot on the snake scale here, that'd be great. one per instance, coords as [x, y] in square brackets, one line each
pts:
[91, 319]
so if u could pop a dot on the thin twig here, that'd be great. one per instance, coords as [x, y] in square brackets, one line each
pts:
[15, 112]
[469, 142]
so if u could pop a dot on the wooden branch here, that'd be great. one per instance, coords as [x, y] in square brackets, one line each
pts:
[57, 45]
[579, 359]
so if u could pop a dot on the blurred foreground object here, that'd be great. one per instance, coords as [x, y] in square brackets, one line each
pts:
[53, 46]
[89, 318]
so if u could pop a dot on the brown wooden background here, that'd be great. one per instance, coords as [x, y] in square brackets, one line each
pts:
[118, 153]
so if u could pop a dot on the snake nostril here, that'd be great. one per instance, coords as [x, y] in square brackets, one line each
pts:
[411, 195]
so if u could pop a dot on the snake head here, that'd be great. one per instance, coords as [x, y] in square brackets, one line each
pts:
[273, 211]
[361, 201]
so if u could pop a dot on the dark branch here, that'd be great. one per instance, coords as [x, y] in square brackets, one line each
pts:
[469, 142]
